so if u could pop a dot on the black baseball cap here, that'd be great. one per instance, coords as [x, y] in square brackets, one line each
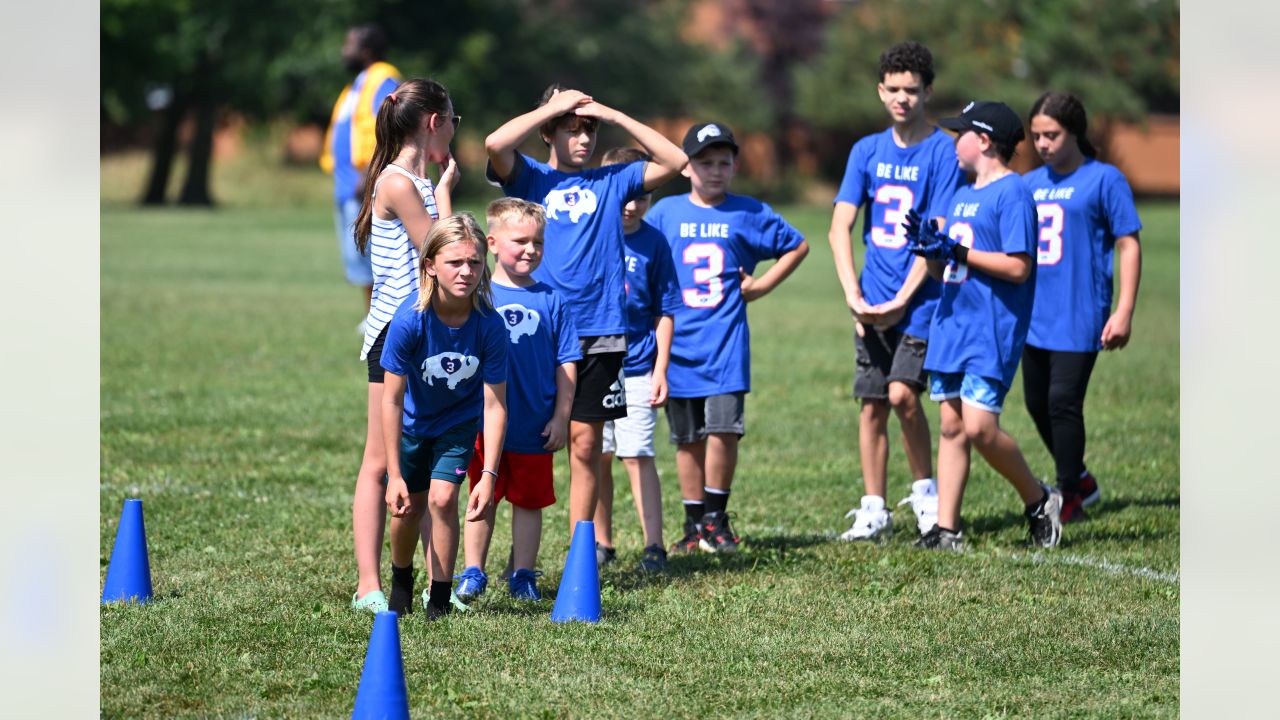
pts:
[996, 119]
[704, 135]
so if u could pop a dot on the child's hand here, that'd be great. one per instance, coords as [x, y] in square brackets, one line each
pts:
[564, 101]
[658, 390]
[556, 432]
[398, 497]
[481, 497]
[747, 284]
[889, 313]
[600, 111]
[449, 173]
[1115, 334]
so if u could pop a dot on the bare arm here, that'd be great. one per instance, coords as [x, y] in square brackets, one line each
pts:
[664, 331]
[756, 288]
[398, 197]
[1014, 268]
[1115, 334]
[502, 143]
[557, 429]
[495, 433]
[668, 159]
[843, 218]
[398, 499]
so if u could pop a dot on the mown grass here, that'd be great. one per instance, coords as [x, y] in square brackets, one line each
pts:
[233, 404]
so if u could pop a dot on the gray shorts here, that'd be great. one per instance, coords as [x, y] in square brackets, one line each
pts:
[886, 356]
[692, 419]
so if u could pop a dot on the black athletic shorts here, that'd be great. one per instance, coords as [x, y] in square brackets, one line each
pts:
[376, 373]
[601, 394]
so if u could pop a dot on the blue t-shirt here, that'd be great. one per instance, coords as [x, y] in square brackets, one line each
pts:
[582, 257]
[542, 338]
[886, 181]
[1080, 216]
[981, 322]
[444, 368]
[652, 291]
[710, 352]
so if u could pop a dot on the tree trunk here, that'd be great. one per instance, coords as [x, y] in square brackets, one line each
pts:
[163, 150]
[195, 189]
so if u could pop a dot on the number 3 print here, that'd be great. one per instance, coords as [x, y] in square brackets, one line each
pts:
[962, 233]
[1050, 248]
[709, 276]
[897, 199]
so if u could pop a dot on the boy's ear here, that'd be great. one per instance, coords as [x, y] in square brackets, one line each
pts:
[492, 242]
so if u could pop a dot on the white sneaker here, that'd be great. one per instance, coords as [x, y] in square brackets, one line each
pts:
[870, 521]
[924, 503]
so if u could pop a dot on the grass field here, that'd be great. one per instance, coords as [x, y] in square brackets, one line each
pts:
[233, 405]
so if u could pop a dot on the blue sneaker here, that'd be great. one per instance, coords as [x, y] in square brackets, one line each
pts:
[471, 583]
[523, 585]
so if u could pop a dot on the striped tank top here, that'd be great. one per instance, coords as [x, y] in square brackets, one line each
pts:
[394, 260]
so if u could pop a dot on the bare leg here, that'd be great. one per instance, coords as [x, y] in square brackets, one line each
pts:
[646, 489]
[405, 530]
[916, 443]
[873, 445]
[584, 468]
[722, 460]
[953, 463]
[690, 460]
[1001, 451]
[369, 507]
[526, 536]
[443, 504]
[604, 501]
[475, 542]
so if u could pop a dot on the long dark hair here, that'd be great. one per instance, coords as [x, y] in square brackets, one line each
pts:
[399, 116]
[1068, 111]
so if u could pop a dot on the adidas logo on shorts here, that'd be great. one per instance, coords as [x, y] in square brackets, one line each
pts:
[617, 397]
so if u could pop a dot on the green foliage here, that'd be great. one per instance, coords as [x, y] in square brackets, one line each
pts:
[1121, 57]
[233, 403]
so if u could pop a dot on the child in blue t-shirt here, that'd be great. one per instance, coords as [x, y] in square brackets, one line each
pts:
[542, 360]
[652, 299]
[445, 362]
[1087, 216]
[717, 239]
[583, 257]
[909, 165]
[980, 324]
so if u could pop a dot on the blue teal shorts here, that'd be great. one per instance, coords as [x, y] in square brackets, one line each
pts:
[980, 392]
[356, 266]
[442, 458]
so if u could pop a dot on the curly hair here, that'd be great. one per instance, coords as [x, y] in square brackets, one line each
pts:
[909, 56]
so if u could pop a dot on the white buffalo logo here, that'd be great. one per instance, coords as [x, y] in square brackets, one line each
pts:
[575, 200]
[708, 131]
[520, 321]
[449, 366]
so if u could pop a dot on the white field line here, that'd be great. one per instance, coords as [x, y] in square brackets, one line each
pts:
[1104, 565]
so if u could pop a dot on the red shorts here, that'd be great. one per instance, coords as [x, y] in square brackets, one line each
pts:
[524, 479]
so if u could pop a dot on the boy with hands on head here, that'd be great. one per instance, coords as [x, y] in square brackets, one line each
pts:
[584, 249]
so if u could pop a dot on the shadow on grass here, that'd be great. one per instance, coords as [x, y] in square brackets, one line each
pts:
[755, 551]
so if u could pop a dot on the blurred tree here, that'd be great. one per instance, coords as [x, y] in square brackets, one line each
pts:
[1120, 56]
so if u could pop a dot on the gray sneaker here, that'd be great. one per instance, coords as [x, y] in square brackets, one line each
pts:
[605, 555]
[939, 539]
[1045, 525]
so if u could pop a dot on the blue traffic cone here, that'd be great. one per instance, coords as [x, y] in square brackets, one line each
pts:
[129, 574]
[382, 693]
[579, 595]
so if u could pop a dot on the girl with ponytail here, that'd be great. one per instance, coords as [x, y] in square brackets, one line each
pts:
[1086, 217]
[414, 128]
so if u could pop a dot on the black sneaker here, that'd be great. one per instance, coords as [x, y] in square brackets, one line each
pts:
[1045, 524]
[434, 613]
[688, 543]
[716, 534]
[654, 559]
[939, 539]
[605, 555]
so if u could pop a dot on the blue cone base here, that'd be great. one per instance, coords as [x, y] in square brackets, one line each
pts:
[382, 693]
[578, 598]
[129, 574]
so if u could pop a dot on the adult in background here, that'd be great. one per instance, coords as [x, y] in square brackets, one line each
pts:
[349, 142]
